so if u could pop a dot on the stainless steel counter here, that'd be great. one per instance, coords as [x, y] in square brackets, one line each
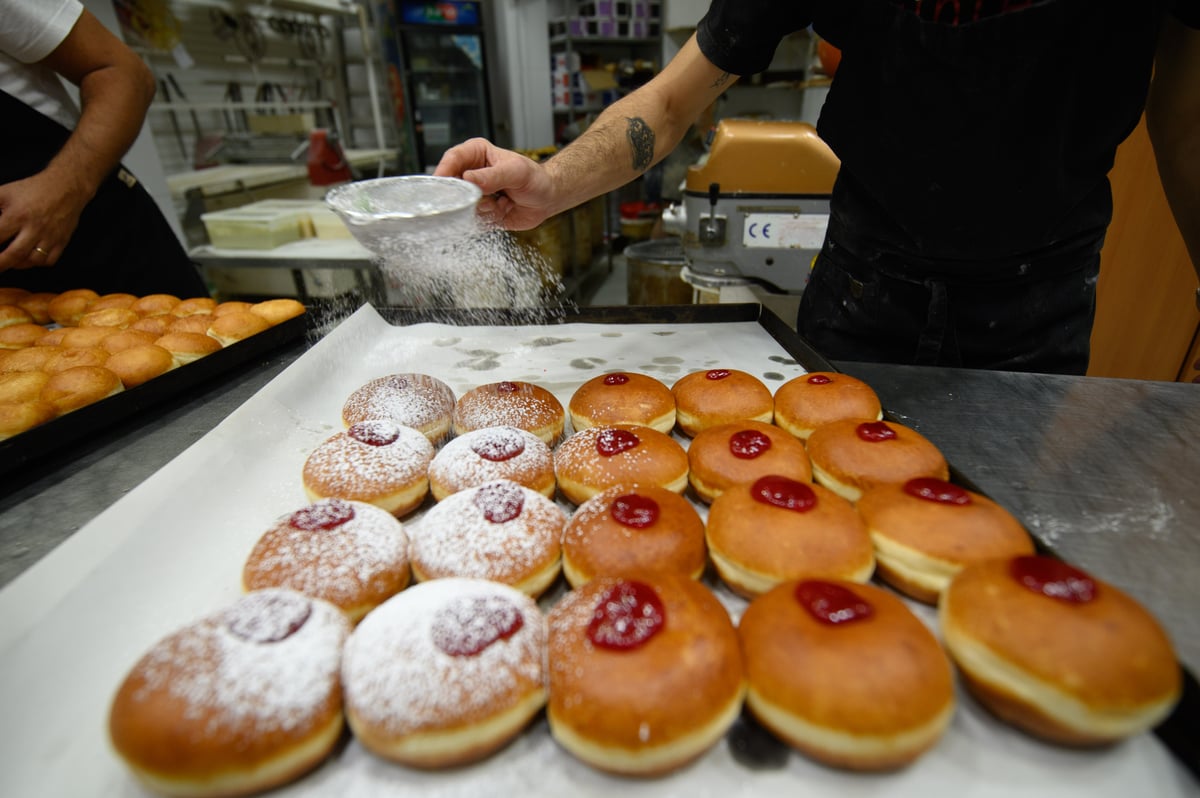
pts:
[1103, 471]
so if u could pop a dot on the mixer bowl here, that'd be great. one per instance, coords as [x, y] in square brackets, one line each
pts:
[388, 212]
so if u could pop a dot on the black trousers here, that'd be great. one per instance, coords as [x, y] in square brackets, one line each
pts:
[1034, 316]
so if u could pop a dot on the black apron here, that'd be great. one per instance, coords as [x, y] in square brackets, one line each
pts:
[966, 223]
[123, 244]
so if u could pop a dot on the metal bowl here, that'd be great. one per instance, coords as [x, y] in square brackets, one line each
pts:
[388, 212]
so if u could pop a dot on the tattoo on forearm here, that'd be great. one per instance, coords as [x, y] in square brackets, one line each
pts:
[641, 141]
[722, 80]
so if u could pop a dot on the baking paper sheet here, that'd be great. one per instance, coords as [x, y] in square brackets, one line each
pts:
[172, 551]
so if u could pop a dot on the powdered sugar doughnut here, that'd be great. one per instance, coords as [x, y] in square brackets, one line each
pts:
[351, 554]
[377, 461]
[241, 701]
[492, 453]
[597, 458]
[446, 672]
[500, 531]
[411, 400]
[510, 404]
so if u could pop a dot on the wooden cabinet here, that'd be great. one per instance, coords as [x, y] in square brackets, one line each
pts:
[1146, 316]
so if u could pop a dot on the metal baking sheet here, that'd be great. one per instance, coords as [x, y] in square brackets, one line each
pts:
[172, 550]
[54, 437]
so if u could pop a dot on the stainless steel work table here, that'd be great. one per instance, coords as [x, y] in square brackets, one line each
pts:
[1103, 471]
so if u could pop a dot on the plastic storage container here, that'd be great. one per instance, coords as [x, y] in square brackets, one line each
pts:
[255, 228]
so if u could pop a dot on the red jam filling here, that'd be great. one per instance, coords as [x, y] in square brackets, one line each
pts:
[500, 501]
[616, 379]
[507, 387]
[819, 379]
[875, 431]
[465, 626]
[267, 616]
[498, 445]
[717, 374]
[375, 432]
[783, 492]
[1053, 578]
[325, 514]
[634, 510]
[937, 490]
[615, 441]
[830, 603]
[748, 444]
[628, 614]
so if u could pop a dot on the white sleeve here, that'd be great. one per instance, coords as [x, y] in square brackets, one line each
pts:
[31, 29]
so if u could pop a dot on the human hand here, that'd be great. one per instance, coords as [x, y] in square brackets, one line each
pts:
[38, 216]
[517, 192]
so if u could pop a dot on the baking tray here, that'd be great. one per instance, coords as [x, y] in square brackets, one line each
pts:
[171, 550]
[53, 437]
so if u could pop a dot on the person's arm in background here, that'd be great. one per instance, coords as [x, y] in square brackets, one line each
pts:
[1173, 122]
[115, 89]
[629, 137]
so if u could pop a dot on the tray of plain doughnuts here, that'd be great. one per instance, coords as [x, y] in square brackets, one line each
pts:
[721, 666]
[75, 364]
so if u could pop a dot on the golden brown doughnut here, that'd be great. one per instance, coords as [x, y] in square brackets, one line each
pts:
[81, 337]
[124, 339]
[277, 311]
[155, 305]
[845, 673]
[623, 397]
[73, 356]
[926, 530]
[1058, 653]
[851, 455]
[80, 386]
[446, 672]
[187, 347]
[742, 451]
[236, 326]
[378, 462]
[12, 314]
[107, 301]
[500, 531]
[191, 323]
[806, 402]
[37, 305]
[485, 455]
[813, 534]
[22, 386]
[33, 358]
[156, 325]
[16, 417]
[236, 703]
[12, 296]
[352, 554]
[633, 529]
[193, 306]
[719, 396]
[411, 400]
[20, 336]
[224, 308]
[66, 308]
[108, 318]
[510, 404]
[645, 673]
[139, 364]
[597, 458]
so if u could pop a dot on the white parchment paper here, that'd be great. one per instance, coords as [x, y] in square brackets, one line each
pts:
[172, 551]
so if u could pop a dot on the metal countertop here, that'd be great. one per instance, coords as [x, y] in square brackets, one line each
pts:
[1104, 471]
